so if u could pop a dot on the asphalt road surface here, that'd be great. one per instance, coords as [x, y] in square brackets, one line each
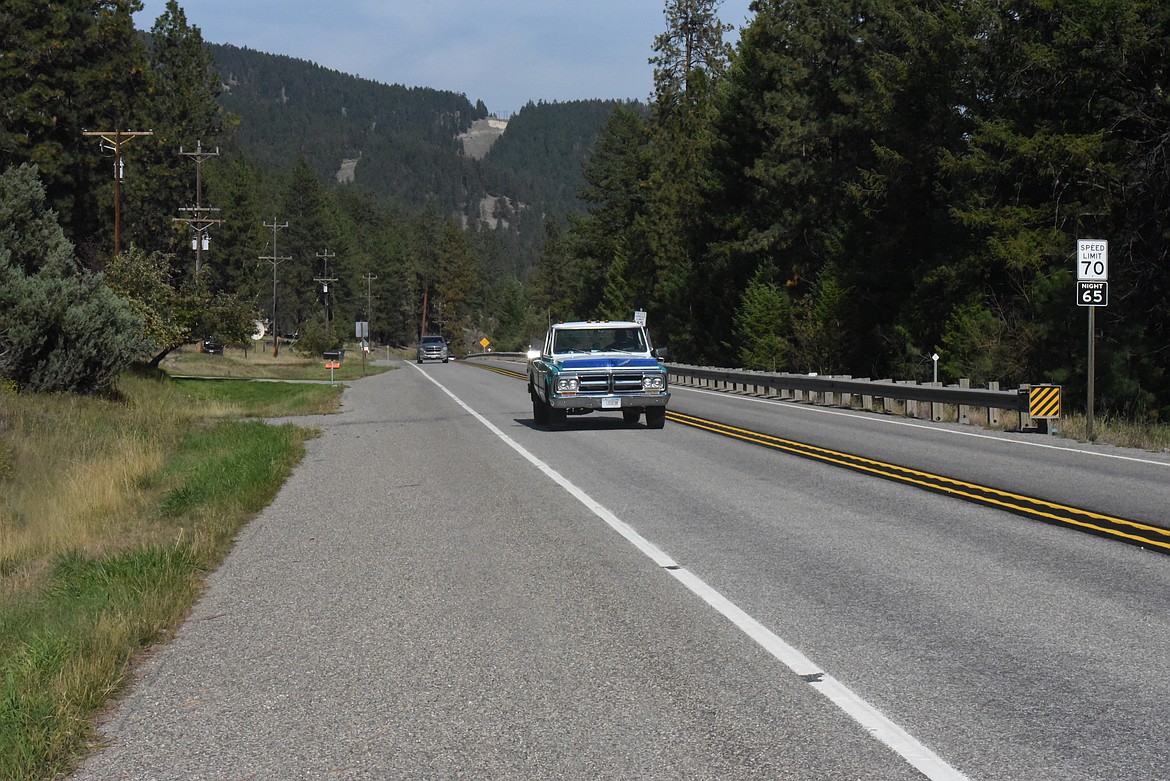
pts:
[443, 590]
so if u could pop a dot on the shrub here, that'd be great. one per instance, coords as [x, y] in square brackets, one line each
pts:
[61, 329]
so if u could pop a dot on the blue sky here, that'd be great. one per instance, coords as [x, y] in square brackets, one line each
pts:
[503, 52]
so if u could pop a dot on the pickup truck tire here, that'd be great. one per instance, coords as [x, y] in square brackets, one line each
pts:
[655, 417]
[631, 414]
[557, 418]
[539, 409]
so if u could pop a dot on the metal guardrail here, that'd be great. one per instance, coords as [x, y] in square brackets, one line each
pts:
[847, 391]
[898, 397]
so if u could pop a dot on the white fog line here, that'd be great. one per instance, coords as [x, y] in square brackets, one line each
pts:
[870, 718]
[876, 723]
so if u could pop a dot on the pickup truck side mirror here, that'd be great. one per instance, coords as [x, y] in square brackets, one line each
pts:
[659, 352]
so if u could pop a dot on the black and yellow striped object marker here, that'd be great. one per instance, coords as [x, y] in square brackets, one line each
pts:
[1044, 401]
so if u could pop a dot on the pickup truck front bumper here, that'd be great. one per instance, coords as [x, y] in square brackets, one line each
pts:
[627, 400]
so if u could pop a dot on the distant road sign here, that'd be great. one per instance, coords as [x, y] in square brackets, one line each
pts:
[1093, 259]
[1092, 293]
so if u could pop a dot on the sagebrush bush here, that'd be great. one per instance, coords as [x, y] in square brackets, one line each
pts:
[61, 329]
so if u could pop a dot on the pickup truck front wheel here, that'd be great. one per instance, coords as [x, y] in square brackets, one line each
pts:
[539, 409]
[655, 417]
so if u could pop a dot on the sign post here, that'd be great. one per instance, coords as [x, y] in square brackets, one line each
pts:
[361, 329]
[1092, 291]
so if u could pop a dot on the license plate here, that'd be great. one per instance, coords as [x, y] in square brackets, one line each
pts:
[614, 403]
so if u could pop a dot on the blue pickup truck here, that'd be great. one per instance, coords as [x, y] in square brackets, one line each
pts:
[597, 366]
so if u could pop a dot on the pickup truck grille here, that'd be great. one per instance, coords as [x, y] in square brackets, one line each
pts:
[601, 383]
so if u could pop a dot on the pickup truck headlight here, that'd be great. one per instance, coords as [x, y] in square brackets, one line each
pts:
[567, 384]
[653, 382]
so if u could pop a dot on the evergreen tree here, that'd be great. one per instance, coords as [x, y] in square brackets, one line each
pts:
[308, 209]
[617, 180]
[692, 43]
[617, 299]
[68, 68]
[457, 286]
[820, 325]
[180, 108]
[555, 282]
[794, 132]
[513, 328]
[763, 323]
[238, 242]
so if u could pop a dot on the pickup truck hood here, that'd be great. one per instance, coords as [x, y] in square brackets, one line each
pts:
[607, 362]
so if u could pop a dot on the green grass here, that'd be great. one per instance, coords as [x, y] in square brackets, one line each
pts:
[260, 399]
[65, 648]
[289, 365]
[111, 514]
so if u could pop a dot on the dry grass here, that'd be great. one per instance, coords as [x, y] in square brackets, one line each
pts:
[74, 463]
[111, 512]
[1152, 437]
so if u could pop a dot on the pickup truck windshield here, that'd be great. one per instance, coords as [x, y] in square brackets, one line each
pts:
[586, 340]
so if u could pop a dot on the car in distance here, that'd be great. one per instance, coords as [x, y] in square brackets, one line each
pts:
[432, 348]
[212, 347]
[597, 366]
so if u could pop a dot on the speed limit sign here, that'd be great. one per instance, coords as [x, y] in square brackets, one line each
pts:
[1093, 259]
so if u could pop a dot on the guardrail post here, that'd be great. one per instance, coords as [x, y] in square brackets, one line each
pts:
[964, 412]
[1025, 411]
[993, 412]
[909, 406]
[935, 406]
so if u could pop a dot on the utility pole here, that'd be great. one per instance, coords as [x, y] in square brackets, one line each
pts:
[369, 296]
[369, 306]
[275, 260]
[199, 220]
[422, 328]
[113, 141]
[325, 280]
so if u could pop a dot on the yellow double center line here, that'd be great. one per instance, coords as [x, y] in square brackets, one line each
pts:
[1122, 529]
[1085, 520]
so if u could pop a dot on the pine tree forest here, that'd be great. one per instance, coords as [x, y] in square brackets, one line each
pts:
[851, 187]
[862, 183]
